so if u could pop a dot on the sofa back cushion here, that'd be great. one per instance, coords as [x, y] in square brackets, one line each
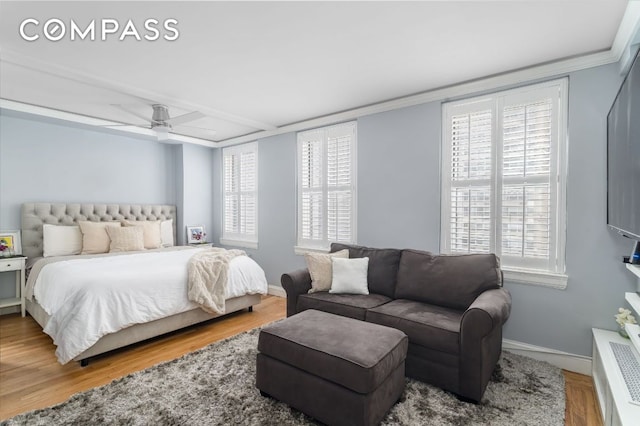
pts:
[383, 266]
[446, 280]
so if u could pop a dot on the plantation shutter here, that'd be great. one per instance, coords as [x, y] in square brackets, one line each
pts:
[248, 193]
[501, 180]
[231, 202]
[240, 175]
[528, 188]
[471, 177]
[326, 186]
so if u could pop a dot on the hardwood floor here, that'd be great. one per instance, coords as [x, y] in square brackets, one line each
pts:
[30, 376]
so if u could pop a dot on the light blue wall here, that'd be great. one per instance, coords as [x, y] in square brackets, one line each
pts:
[597, 277]
[51, 160]
[398, 197]
[399, 206]
[276, 208]
[196, 182]
[399, 178]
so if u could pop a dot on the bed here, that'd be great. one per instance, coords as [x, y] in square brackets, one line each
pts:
[35, 215]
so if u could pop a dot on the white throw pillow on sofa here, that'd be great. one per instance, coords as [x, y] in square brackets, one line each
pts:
[350, 276]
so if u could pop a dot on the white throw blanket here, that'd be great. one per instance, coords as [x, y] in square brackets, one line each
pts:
[208, 272]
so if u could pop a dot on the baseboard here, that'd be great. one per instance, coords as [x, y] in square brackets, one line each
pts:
[566, 361]
[276, 290]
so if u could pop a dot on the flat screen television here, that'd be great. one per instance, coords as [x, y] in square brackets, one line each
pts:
[623, 157]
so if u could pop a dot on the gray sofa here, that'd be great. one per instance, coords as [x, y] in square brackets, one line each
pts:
[452, 308]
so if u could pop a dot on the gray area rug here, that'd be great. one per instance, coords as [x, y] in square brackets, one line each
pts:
[216, 386]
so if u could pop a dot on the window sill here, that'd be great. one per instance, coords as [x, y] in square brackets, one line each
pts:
[302, 250]
[239, 243]
[534, 277]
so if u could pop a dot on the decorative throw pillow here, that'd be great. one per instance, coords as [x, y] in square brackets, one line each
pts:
[166, 233]
[129, 238]
[151, 228]
[95, 239]
[319, 265]
[350, 276]
[60, 240]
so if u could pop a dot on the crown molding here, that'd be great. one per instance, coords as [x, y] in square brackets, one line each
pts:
[628, 30]
[97, 122]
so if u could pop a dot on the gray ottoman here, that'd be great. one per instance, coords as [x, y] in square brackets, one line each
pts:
[338, 370]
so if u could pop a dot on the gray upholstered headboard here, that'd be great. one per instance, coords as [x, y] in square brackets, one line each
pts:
[34, 215]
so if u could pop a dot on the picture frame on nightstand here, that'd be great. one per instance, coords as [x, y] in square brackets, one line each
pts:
[196, 235]
[10, 243]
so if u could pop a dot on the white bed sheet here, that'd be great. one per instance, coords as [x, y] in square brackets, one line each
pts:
[89, 298]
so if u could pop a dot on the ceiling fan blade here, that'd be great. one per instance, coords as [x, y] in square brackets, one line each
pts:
[145, 125]
[196, 127]
[174, 121]
[134, 113]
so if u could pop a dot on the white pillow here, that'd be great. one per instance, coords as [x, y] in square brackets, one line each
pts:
[166, 233]
[350, 275]
[60, 240]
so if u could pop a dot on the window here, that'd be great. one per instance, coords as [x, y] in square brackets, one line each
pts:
[327, 186]
[503, 184]
[240, 183]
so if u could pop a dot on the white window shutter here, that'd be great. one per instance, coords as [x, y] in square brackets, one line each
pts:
[326, 186]
[503, 176]
[240, 175]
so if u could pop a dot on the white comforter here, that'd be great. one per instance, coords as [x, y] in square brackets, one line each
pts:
[89, 298]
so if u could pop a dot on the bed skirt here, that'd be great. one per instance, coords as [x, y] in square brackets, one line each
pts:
[139, 332]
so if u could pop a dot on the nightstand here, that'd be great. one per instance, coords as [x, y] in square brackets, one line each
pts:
[201, 245]
[17, 264]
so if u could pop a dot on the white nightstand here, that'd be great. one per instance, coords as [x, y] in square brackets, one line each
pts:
[201, 245]
[16, 264]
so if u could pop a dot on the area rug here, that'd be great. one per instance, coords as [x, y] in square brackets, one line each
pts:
[216, 386]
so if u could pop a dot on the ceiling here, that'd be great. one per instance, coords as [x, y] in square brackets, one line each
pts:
[256, 67]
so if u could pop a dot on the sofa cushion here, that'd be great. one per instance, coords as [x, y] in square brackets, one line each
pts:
[353, 354]
[446, 280]
[347, 305]
[431, 326]
[383, 266]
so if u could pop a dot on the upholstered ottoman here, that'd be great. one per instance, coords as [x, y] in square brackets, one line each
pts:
[338, 370]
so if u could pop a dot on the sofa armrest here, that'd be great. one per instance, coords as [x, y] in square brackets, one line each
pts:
[481, 340]
[295, 283]
[492, 308]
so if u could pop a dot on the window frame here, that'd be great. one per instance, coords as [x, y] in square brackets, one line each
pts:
[554, 274]
[304, 245]
[240, 239]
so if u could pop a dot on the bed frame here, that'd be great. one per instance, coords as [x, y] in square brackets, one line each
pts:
[34, 215]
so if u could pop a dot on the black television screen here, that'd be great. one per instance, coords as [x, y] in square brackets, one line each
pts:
[623, 157]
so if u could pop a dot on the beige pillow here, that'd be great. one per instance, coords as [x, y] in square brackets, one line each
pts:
[319, 265]
[94, 236]
[130, 238]
[151, 228]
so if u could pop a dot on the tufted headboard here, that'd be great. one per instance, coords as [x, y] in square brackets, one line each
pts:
[34, 215]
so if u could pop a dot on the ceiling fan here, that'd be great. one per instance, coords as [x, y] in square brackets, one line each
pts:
[161, 122]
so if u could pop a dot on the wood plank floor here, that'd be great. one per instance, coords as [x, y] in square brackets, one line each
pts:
[30, 376]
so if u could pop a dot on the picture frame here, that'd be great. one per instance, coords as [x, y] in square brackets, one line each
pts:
[196, 234]
[10, 243]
